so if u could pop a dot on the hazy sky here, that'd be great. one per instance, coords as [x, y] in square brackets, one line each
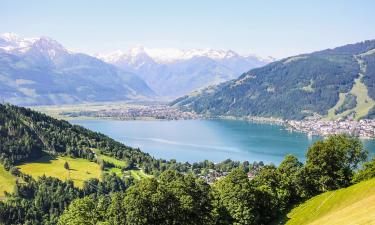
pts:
[278, 28]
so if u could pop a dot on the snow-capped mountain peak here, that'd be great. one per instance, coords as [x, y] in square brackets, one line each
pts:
[10, 37]
[13, 43]
[44, 44]
[169, 55]
[176, 72]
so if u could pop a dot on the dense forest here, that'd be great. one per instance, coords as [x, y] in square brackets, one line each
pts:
[176, 195]
[292, 88]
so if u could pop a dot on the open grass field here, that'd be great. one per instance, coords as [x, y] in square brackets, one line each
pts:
[7, 181]
[135, 173]
[116, 162]
[352, 205]
[116, 171]
[364, 101]
[80, 169]
[138, 174]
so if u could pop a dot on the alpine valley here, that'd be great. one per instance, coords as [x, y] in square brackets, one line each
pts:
[174, 72]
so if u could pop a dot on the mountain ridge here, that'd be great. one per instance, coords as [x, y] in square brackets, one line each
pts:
[40, 71]
[170, 55]
[292, 88]
[175, 72]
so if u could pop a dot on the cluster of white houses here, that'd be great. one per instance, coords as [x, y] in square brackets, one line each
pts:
[362, 128]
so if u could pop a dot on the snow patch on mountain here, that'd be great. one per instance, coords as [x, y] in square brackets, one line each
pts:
[172, 55]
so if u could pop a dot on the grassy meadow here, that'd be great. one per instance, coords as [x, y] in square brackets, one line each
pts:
[7, 181]
[114, 161]
[352, 205]
[136, 173]
[80, 169]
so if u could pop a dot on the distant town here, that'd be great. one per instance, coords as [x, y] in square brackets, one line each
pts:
[319, 126]
[131, 112]
[362, 128]
[316, 125]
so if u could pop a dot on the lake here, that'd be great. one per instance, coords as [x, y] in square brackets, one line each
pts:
[215, 140]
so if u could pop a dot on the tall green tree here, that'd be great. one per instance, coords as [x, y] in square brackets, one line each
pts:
[236, 199]
[331, 163]
[80, 212]
[290, 169]
[148, 202]
[193, 197]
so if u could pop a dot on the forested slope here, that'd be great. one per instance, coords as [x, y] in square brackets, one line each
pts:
[291, 88]
[26, 134]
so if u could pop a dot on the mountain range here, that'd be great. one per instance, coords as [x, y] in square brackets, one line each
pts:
[40, 71]
[175, 72]
[333, 83]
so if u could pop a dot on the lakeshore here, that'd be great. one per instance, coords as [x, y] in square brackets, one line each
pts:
[313, 126]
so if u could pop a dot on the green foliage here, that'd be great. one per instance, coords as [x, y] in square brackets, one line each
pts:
[109, 184]
[38, 202]
[66, 166]
[290, 180]
[80, 212]
[350, 102]
[17, 141]
[330, 163]
[236, 199]
[369, 76]
[367, 172]
[192, 195]
[176, 199]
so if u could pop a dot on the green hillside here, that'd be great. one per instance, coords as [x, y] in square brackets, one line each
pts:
[7, 181]
[360, 103]
[332, 83]
[352, 205]
[27, 135]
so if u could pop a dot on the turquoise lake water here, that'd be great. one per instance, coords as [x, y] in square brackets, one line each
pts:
[215, 140]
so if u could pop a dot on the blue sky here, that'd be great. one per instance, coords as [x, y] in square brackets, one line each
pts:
[266, 27]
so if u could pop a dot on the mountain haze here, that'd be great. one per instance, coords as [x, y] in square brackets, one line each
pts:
[40, 71]
[174, 72]
[335, 83]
